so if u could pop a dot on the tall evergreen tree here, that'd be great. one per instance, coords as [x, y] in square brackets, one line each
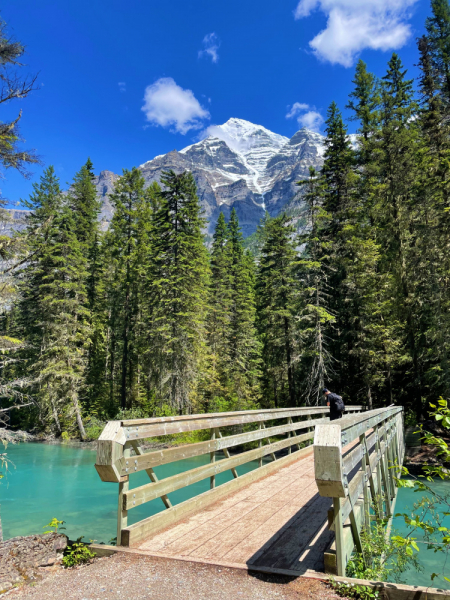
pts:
[276, 302]
[127, 250]
[314, 298]
[82, 200]
[178, 278]
[242, 341]
[85, 206]
[53, 308]
[219, 311]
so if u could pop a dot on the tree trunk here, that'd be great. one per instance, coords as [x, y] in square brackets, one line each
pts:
[78, 416]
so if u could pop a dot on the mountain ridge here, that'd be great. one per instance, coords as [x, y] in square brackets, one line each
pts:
[238, 165]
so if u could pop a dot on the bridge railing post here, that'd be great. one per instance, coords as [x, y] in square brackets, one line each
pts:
[354, 463]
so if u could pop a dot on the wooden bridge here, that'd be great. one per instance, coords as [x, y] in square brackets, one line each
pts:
[300, 508]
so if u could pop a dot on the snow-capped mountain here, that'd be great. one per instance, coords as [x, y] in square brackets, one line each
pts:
[238, 165]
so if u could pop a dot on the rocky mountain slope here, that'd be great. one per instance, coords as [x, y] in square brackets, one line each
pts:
[239, 165]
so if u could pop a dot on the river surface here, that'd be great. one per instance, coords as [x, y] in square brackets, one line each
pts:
[55, 480]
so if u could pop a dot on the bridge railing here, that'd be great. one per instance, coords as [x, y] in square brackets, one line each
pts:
[356, 460]
[120, 455]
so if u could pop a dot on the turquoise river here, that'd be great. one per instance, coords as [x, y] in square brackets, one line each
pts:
[57, 480]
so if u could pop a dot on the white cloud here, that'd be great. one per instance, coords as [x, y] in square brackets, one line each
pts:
[169, 105]
[354, 25]
[122, 86]
[306, 115]
[211, 44]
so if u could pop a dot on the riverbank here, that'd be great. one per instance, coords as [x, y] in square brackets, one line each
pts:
[140, 577]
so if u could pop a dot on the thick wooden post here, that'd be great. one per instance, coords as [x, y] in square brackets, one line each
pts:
[122, 513]
[364, 467]
[339, 532]
[212, 458]
[260, 460]
[289, 420]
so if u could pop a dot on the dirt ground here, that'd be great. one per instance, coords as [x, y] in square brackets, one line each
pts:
[132, 577]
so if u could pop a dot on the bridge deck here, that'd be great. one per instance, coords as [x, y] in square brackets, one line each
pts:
[279, 522]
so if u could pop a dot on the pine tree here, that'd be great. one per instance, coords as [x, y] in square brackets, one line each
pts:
[219, 311]
[177, 281]
[127, 251]
[53, 308]
[314, 297]
[364, 100]
[243, 345]
[396, 172]
[438, 34]
[276, 303]
[85, 206]
[83, 202]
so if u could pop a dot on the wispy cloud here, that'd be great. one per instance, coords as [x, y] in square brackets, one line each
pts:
[122, 86]
[306, 115]
[354, 25]
[211, 45]
[169, 105]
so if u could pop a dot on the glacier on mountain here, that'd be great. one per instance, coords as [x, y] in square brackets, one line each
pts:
[237, 165]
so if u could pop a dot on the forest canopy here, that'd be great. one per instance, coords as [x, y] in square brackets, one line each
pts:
[145, 319]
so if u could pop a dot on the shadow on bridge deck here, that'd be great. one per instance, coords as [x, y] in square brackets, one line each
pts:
[277, 522]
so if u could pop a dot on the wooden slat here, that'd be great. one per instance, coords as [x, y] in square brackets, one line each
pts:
[168, 455]
[152, 475]
[150, 491]
[134, 534]
[169, 428]
[277, 412]
[354, 426]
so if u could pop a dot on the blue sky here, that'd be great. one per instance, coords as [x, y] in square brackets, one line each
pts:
[190, 64]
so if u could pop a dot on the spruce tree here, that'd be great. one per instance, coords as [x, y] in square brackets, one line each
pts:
[314, 297]
[242, 340]
[126, 252]
[396, 171]
[177, 280]
[276, 303]
[83, 202]
[53, 308]
[364, 100]
[438, 34]
[219, 310]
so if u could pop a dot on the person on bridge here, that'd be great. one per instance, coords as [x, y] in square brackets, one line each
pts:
[336, 404]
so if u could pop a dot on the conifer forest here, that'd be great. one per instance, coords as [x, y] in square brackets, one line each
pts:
[147, 319]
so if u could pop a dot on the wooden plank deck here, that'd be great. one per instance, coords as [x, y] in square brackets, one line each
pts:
[276, 522]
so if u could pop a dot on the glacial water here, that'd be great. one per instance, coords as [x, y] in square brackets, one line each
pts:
[431, 562]
[56, 480]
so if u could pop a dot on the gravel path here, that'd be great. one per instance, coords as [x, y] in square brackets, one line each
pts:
[132, 577]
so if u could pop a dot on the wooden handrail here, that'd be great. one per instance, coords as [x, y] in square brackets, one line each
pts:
[374, 442]
[119, 455]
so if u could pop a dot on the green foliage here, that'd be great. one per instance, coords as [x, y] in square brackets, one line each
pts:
[383, 558]
[77, 554]
[276, 308]
[429, 512]
[352, 590]
[55, 524]
[178, 277]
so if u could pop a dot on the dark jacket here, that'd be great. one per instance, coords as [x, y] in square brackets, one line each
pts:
[335, 401]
